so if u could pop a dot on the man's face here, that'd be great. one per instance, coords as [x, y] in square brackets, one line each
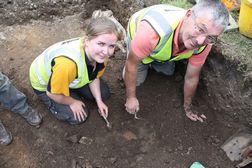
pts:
[199, 31]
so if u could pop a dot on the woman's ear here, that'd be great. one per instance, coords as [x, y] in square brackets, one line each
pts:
[86, 41]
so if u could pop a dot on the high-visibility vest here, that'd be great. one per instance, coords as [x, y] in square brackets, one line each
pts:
[164, 19]
[41, 69]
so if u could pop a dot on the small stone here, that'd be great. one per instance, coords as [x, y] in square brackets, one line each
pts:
[113, 160]
[78, 166]
[50, 152]
[73, 139]
[74, 163]
[139, 158]
[189, 150]
[85, 140]
[228, 106]
[87, 165]
[169, 150]
[180, 148]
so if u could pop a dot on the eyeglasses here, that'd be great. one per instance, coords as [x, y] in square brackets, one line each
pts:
[202, 30]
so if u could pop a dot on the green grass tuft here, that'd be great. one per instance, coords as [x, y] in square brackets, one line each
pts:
[178, 3]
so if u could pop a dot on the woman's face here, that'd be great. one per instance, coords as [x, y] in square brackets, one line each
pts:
[100, 48]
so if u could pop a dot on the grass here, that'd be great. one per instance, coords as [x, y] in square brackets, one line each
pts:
[237, 47]
[179, 3]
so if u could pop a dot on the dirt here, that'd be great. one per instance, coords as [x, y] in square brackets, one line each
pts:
[164, 138]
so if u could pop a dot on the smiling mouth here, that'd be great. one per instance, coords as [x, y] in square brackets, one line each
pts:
[103, 57]
[194, 44]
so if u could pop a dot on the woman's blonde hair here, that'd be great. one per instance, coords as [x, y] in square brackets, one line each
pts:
[99, 26]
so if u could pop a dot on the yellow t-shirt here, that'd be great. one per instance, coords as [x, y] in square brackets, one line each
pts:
[64, 71]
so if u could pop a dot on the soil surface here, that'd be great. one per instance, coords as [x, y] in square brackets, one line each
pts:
[164, 138]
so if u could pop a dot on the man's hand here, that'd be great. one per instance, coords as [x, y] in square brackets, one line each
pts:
[194, 116]
[78, 109]
[132, 105]
[102, 108]
[130, 78]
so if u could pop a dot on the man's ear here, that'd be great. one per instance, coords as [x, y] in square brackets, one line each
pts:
[188, 14]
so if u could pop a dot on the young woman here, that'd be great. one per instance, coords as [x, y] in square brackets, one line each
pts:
[69, 71]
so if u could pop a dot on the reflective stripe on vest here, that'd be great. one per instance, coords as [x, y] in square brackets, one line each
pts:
[40, 71]
[164, 19]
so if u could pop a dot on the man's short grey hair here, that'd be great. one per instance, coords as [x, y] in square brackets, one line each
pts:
[217, 9]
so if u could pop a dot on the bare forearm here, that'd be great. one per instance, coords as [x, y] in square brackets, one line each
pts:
[130, 80]
[191, 83]
[190, 87]
[61, 99]
[95, 89]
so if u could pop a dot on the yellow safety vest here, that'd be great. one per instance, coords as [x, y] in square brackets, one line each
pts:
[164, 19]
[40, 70]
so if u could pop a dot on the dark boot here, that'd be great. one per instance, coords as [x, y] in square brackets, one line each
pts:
[32, 116]
[5, 136]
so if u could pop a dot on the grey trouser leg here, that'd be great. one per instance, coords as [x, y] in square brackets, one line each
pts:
[63, 112]
[142, 71]
[85, 91]
[166, 68]
[60, 111]
[10, 97]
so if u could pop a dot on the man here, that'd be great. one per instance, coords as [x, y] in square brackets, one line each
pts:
[161, 34]
[14, 100]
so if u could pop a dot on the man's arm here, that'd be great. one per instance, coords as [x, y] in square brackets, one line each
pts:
[130, 77]
[191, 82]
[190, 86]
[142, 45]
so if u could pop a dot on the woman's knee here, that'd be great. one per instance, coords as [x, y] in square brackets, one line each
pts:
[64, 113]
[73, 121]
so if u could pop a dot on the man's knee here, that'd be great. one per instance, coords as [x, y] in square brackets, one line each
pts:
[142, 71]
[140, 80]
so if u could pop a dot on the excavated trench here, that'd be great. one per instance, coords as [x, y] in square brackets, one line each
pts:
[165, 138]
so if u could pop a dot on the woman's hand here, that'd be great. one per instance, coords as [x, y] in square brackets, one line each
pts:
[102, 108]
[77, 108]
